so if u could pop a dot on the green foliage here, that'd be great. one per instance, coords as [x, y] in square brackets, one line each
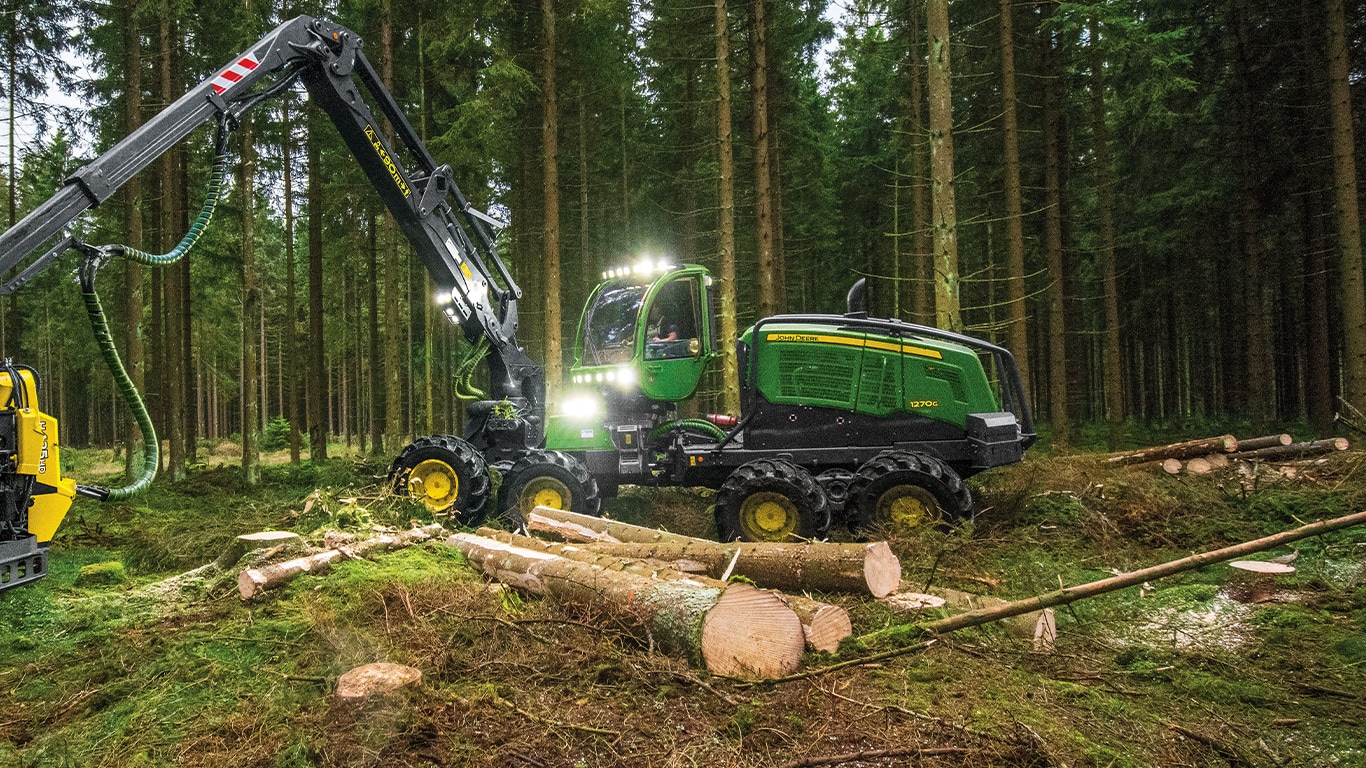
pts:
[275, 437]
[101, 573]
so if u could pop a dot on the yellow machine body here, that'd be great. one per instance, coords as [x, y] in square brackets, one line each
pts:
[39, 456]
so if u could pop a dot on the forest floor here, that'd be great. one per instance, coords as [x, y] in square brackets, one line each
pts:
[129, 673]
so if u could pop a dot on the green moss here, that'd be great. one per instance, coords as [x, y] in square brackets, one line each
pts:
[101, 573]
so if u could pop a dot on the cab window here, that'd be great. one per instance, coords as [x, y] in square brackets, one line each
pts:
[674, 321]
[610, 324]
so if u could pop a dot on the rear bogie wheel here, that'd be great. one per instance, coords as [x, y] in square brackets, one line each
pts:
[444, 473]
[551, 479]
[771, 500]
[902, 491]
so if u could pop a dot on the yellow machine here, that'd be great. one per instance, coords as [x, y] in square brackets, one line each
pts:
[34, 497]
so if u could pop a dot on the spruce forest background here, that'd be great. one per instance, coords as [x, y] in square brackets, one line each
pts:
[1154, 204]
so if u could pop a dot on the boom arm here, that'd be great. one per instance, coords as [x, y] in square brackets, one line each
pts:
[424, 200]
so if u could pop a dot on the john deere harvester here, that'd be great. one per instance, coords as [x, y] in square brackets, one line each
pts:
[843, 417]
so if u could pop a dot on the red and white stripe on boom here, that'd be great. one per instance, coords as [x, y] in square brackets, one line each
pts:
[234, 73]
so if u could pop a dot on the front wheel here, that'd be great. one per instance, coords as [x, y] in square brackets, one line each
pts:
[444, 473]
[549, 479]
[771, 500]
[901, 491]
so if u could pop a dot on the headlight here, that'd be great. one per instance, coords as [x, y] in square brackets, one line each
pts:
[581, 407]
[626, 377]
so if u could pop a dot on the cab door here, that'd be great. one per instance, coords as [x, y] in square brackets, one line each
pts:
[674, 340]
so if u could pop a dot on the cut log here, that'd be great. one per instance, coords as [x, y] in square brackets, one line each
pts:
[1024, 626]
[1269, 441]
[1171, 466]
[250, 542]
[1186, 450]
[1199, 466]
[376, 680]
[823, 567]
[732, 630]
[823, 625]
[254, 581]
[1218, 460]
[1296, 450]
[586, 528]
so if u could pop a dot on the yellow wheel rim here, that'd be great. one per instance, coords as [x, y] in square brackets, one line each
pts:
[545, 492]
[768, 516]
[907, 507]
[434, 483]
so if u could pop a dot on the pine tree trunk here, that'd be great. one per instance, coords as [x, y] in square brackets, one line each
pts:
[1059, 422]
[393, 403]
[171, 227]
[763, 192]
[1018, 334]
[1112, 376]
[132, 197]
[922, 249]
[946, 280]
[251, 308]
[316, 380]
[550, 145]
[730, 388]
[1346, 208]
[375, 379]
[290, 335]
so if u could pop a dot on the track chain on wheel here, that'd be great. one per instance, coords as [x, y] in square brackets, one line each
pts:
[547, 477]
[771, 500]
[906, 490]
[449, 460]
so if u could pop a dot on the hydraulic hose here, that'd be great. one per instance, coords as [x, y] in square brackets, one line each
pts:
[151, 448]
[697, 426]
[99, 324]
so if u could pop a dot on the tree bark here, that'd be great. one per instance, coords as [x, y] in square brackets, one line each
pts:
[132, 273]
[377, 383]
[827, 567]
[1348, 217]
[1105, 181]
[393, 404]
[550, 144]
[290, 335]
[1018, 334]
[726, 290]
[1186, 450]
[769, 290]
[173, 223]
[823, 625]
[316, 383]
[1295, 450]
[946, 278]
[1058, 417]
[736, 630]
[1269, 441]
[251, 308]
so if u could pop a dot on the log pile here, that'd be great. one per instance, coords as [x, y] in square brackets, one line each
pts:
[678, 589]
[253, 581]
[1208, 455]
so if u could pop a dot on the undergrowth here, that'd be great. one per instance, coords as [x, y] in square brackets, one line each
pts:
[110, 674]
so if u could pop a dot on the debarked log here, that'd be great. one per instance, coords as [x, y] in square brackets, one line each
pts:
[733, 629]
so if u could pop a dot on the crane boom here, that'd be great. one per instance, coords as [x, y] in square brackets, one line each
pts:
[475, 288]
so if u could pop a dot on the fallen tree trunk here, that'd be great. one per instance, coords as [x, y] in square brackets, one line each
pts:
[1083, 591]
[1269, 441]
[586, 528]
[253, 581]
[1296, 450]
[733, 629]
[1186, 450]
[823, 625]
[824, 567]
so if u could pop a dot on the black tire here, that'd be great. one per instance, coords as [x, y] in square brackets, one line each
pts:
[771, 500]
[553, 478]
[443, 472]
[836, 484]
[904, 490]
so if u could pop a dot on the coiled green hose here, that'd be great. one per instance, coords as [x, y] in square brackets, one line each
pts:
[99, 324]
[688, 425]
[151, 448]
